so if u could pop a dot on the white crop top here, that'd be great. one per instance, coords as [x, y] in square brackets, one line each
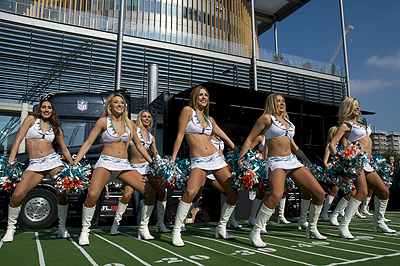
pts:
[111, 135]
[219, 144]
[194, 126]
[358, 131]
[35, 132]
[261, 146]
[277, 129]
[146, 144]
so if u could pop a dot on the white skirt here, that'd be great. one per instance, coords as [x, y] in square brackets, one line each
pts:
[283, 162]
[142, 168]
[46, 163]
[113, 163]
[210, 176]
[212, 162]
[368, 168]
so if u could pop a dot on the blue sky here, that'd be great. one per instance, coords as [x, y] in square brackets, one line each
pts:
[373, 49]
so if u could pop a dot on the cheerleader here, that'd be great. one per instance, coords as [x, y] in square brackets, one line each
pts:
[278, 132]
[334, 189]
[40, 130]
[196, 125]
[212, 181]
[353, 128]
[116, 132]
[144, 123]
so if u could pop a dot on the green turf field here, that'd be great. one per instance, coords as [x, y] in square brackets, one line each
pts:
[286, 246]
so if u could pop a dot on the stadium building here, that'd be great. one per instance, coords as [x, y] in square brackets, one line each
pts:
[75, 45]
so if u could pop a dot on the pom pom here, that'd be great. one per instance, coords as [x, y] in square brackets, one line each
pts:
[346, 165]
[10, 174]
[161, 170]
[247, 175]
[73, 179]
[319, 173]
[382, 169]
[181, 171]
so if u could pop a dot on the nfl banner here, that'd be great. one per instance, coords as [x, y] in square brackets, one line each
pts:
[82, 105]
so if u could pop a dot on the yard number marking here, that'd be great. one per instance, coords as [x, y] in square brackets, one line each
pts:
[243, 252]
[193, 257]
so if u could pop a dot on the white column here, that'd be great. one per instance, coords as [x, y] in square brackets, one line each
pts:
[24, 114]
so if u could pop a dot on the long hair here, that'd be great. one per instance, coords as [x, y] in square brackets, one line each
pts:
[125, 120]
[139, 119]
[54, 121]
[270, 105]
[331, 132]
[346, 109]
[194, 99]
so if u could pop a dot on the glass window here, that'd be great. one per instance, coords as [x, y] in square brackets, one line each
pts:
[164, 8]
[158, 7]
[185, 11]
[169, 10]
[190, 14]
[134, 3]
[140, 5]
[174, 10]
[152, 7]
[199, 16]
[213, 21]
[146, 6]
[179, 11]
[74, 133]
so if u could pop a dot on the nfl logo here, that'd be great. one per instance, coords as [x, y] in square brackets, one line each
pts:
[252, 194]
[82, 105]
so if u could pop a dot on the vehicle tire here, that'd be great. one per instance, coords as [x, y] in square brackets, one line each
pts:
[202, 217]
[39, 209]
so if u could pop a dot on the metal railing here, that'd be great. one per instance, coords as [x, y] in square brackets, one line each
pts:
[110, 24]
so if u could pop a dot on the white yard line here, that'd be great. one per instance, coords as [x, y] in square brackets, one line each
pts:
[250, 249]
[365, 259]
[380, 235]
[303, 251]
[88, 257]
[123, 249]
[167, 250]
[40, 251]
[299, 250]
[349, 242]
[219, 252]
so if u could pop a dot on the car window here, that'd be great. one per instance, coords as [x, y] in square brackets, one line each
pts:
[74, 133]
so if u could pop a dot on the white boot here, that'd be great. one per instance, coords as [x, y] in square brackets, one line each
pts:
[305, 204]
[262, 218]
[13, 214]
[264, 231]
[181, 213]
[281, 208]
[87, 216]
[232, 221]
[160, 226]
[143, 231]
[226, 213]
[183, 228]
[343, 228]
[364, 206]
[118, 217]
[62, 218]
[327, 205]
[359, 215]
[379, 213]
[254, 208]
[339, 207]
[312, 230]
